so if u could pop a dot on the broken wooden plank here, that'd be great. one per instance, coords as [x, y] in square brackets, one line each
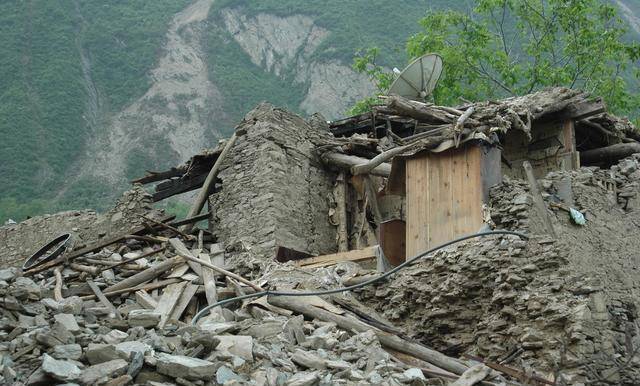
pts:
[209, 281]
[146, 300]
[182, 250]
[537, 199]
[103, 299]
[168, 301]
[224, 272]
[198, 204]
[369, 253]
[146, 275]
[190, 220]
[183, 301]
[146, 287]
[169, 227]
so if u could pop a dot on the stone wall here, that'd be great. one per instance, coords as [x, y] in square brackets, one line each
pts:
[19, 241]
[570, 303]
[274, 190]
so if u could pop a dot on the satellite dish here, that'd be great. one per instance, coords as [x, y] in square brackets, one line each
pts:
[419, 78]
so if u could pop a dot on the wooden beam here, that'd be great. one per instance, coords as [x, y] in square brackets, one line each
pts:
[103, 299]
[177, 186]
[369, 253]
[303, 306]
[346, 162]
[609, 154]
[168, 301]
[146, 275]
[98, 245]
[198, 204]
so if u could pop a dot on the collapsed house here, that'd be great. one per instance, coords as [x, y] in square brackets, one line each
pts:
[304, 205]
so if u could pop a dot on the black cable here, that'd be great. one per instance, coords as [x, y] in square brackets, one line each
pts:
[355, 286]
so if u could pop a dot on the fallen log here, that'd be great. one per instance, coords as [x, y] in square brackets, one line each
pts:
[301, 306]
[609, 154]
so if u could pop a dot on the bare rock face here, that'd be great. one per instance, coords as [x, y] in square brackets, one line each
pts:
[287, 44]
[177, 107]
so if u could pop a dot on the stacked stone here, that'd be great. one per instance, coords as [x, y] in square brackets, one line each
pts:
[19, 241]
[45, 342]
[274, 189]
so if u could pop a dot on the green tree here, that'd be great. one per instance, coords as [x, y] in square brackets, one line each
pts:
[502, 48]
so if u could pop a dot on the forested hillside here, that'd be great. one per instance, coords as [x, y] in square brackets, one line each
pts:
[93, 93]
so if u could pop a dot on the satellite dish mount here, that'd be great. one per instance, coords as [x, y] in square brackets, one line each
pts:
[419, 78]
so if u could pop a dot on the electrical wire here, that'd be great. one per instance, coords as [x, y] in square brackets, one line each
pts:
[355, 286]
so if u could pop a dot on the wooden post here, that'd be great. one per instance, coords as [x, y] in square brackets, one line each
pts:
[340, 193]
[537, 198]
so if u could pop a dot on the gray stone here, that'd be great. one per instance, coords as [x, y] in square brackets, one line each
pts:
[99, 353]
[8, 274]
[218, 327]
[71, 305]
[303, 379]
[136, 361]
[60, 369]
[111, 369]
[185, 367]
[28, 287]
[144, 318]
[115, 337]
[225, 374]
[308, 359]
[68, 321]
[125, 349]
[50, 304]
[67, 351]
[239, 345]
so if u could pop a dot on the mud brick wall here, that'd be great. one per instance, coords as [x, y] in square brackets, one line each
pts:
[274, 190]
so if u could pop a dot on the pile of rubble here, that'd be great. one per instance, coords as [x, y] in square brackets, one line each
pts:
[123, 314]
[564, 306]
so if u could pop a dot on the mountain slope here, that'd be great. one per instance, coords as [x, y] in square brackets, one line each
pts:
[93, 93]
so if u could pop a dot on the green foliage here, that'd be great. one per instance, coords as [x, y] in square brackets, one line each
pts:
[512, 47]
[44, 104]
